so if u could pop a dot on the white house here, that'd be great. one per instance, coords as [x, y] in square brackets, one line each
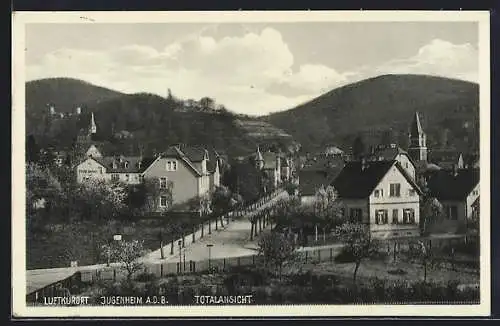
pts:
[382, 195]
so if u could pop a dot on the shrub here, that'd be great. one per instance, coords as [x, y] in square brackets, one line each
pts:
[345, 256]
[146, 277]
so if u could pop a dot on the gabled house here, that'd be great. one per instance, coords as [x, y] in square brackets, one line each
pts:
[457, 190]
[311, 180]
[186, 169]
[393, 152]
[447, 158]
[270, 164]
[381, 195]
[125, 169]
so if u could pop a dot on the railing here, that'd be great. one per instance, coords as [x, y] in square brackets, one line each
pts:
[59, 288]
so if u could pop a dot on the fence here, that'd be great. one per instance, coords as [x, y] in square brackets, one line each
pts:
[59, 288]
[107, 273]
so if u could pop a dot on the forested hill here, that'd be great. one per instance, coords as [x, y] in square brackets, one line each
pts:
[449, 110]
[142, 121]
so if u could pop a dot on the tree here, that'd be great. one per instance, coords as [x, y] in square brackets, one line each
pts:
[431, 211]
[207, 103]
[32, 149]
[358, 148]
[221, 199]
[291, 188]
[277, 250]
[357, 243]
[127, 254]
[328, 209]
[420, 251]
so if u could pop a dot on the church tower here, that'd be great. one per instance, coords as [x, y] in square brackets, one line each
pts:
[417, 148]
[259, 159]
[93, 127]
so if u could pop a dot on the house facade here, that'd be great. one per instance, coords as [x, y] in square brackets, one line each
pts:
[270, 164]
[382, 195]
[458, 192]
[393, 152]
[185, 170]
[179, 174]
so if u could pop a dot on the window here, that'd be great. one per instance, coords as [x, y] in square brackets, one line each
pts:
[381, 216]
[406, 165]
[126, 165]
[163, 201]
[377, 193]
[171, 166]
[115, 177]
[86, 178]
[395, 190]
[100, 170]
[409, 216]
[452, 212]
[395, 217]
[411, 192]
[141, 178]
[127, 177]
[356, 215]
[163, 183]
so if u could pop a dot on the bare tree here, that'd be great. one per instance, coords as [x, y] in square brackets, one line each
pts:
[127, 254]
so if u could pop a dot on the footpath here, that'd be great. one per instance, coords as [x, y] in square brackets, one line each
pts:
[228, 241]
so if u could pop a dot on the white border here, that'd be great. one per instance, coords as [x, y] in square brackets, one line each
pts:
[19, 19]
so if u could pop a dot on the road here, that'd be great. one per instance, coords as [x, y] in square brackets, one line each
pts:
[230, 241]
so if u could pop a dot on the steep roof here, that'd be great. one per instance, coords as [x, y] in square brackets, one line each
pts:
[416, 127]
[445, 185]
[387, 153]
[311, 180]
[135, 164]
[355, 182]
[175, 152]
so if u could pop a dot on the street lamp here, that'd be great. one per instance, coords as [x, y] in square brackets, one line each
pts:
[209, 246]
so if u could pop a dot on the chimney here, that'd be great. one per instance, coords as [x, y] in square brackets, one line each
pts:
[364, 164]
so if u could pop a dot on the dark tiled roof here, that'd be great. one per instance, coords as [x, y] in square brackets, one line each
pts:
[311, 180]
[353, 182]
[387, 153]
[445, 185]
[125, 164]
[324, 162]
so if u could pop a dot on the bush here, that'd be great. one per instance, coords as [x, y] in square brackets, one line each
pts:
[344, 257]
[146, 277]
[398, 271]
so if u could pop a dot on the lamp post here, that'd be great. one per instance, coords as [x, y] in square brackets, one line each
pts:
[180, 255]
[184, 254]
[209, 246]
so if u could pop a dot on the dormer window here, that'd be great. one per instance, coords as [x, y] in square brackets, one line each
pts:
[125, 165]
[114, 165]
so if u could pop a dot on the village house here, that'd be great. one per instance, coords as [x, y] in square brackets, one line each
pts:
[458, 191]
[447, 158]
[382, 195]
[187, 170]
[393, 152]
[319, 172]
[125, 169]
[270, 164]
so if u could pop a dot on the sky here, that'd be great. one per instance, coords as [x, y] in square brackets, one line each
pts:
[251, 68]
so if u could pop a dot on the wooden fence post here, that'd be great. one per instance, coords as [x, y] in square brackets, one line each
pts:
[194, 237]
[239, 261]
[114, 274]
[209, 227]
[161, 270]
[202, 227]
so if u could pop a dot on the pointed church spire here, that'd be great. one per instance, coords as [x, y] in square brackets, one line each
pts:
[417, 148]
[93, 127]
[416, 127]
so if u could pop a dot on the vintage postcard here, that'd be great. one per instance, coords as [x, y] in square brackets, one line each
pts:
[251, 164]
